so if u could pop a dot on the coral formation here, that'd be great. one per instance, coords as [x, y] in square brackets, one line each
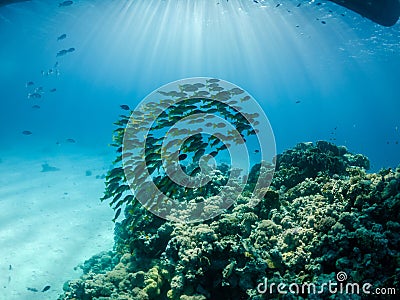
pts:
[322, 214]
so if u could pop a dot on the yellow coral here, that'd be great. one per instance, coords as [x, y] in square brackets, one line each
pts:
[153, 283]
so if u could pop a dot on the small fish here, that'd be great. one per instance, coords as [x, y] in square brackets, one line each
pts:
[214, 153]
[124, 107]
[115, 172]
[10, 267]
[32, 289]
[26, 132]
[189, 88]
[202, 94]
[117, 214]
[323, 22]
[46, 288]
[199, 85]
[257, 151]
[219, 125]
[61, 53]
[72, 141]
[246, 98]
[298, 5]
[53, 90]
[35, 106]
[216, 89]
[223, 147]
[216, 142]
[62, 37]
[236, 91]
[225, 95]
[65, 3]
[71, 50]
[180, 95]
[278, 5]
[183, 156]
[298, 101]
[199, 153]
[29, 83]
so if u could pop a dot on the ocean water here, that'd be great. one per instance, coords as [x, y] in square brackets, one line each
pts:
[320, 72]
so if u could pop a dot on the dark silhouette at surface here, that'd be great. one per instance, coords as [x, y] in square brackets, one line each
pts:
[383, 12]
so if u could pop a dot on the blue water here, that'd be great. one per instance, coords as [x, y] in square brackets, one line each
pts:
[344, 73]
[336, 81]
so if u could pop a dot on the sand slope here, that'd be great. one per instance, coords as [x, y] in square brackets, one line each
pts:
[49, 222]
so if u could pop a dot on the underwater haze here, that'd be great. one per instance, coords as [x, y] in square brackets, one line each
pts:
[335, 81]
[318, 70]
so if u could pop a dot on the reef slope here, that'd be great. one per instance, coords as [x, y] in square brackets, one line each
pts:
[323, 214]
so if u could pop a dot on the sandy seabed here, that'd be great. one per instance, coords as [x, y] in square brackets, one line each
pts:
[50, 222]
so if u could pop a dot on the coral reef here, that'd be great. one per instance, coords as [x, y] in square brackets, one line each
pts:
[323, 214]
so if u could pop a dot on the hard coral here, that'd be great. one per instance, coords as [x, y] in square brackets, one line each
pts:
[323, 214]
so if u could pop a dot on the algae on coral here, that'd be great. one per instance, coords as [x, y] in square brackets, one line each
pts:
[323, 214]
